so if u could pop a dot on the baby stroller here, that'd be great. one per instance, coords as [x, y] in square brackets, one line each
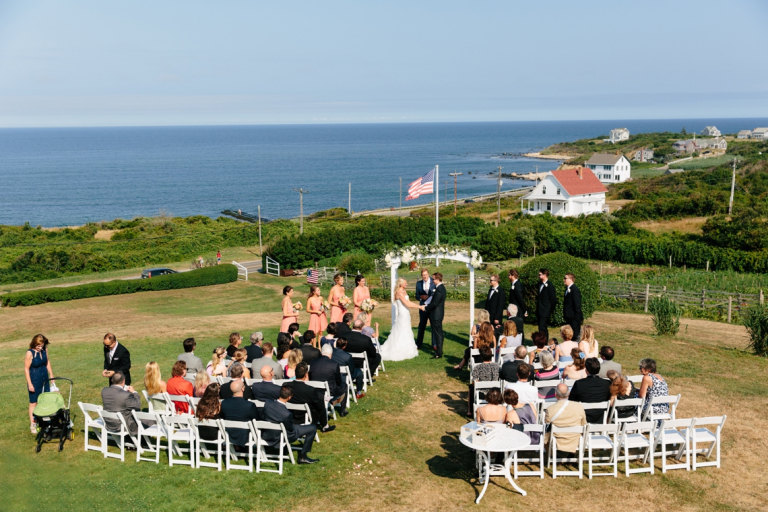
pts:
[53, 418]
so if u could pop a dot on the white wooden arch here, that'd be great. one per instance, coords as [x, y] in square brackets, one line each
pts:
[464, 258]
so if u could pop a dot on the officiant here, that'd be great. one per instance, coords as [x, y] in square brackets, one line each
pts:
[425, 288]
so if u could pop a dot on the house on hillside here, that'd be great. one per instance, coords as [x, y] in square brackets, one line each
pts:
[643, 155]
[710, 131]
[744, 134]
[617, 135]
[716, 143]
[566, 193]
[609, 168]
[687, 146]
[760, 133]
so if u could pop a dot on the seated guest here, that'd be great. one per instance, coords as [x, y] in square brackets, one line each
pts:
[509, 369]
[575, 370]
[486, 371]
[345, 326]
[512, 314]
[485, 338]
[588, 343]
[371, 332]
[494, 411]
[194, 363]
[540, 340]
[510, 337]
[571, 415]
[254, 349]
[526, 393]
[202, 381]
[266, 389]
[238, 408]
[277, 412]
[520, 413]
[313, 397]
[607, 363]
[341, 356]
[548, 371]
[325, 369]
[358, 342]
[216, 366]
[294, 334]
[652, 385]
[178, 385]
[563, 351]
[266, 360]
[592, 389]
[209, 408]
[283, 351]
[295, 357]
[234, 343]
[121, 399]
[621, 389]
[240, 356]
[308, 351]
[330, 337]
[236, 373]
[153, 384]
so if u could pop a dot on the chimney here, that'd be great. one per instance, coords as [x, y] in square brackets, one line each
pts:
[580, 170]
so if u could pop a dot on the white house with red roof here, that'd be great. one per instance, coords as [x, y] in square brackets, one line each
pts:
[566, 193]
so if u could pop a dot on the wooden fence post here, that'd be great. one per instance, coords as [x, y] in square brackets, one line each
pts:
[670, 261]
[703, 296]
[730, 300]
[762, 299]
[707, 265]
[738, 304]
[647, 296]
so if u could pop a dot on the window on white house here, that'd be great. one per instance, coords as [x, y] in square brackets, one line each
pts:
[538, 205]
[565, 207]
[558, 191]
[544, 190]
[549, 206]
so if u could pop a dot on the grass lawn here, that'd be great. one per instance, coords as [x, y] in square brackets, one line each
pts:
[398, 448]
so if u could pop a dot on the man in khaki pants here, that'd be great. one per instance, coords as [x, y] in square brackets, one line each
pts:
[565, 414]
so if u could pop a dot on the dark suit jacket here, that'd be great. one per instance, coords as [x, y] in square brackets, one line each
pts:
[508, 370]
[436, 307]
[265, 391]
[359, 342]
[116, 399]
[309, 353]
[254, 352]
[306, 394]
[239, 409]
[226, 392]
[546, 299]
[342, 329]
[572, 304]
[121, 362]
[517, 297]
[590, 390]
[495, 305]
[420, 289]
[344, 359]
[277, 412]
[325, 369]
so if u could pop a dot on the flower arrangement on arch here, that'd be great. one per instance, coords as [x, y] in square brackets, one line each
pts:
[409, 254]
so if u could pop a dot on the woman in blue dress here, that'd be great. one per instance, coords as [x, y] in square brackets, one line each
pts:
[37, 367]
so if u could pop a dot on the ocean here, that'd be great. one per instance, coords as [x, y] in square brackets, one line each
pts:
[70, 176]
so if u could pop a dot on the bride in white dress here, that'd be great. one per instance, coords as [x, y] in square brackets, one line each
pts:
[401, 345]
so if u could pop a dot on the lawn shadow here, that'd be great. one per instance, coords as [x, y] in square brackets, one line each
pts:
[456, 402]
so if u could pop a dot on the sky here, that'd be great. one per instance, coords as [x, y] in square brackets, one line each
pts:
[141, 63]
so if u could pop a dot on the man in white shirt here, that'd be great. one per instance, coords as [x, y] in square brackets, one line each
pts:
[526, 393]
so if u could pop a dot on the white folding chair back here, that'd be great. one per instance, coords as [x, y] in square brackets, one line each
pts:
[223, 380]
[538, 366]
[151, 430]
[613, 414]
[351, 390]
[563, 364]
[538, 449]
[322, 385]
[472, 353]
[378, 351]
[702, 435]
[604, 406]
[118, 435]
[92, 421]
[204, 447]
[308, 419]
[553, 451]
[193, 401]
[159, 397]
[367, 377]
[671, 400]
[674, 433]
[172, 399]
[258, 429]
[231, 453]
[543, 406]
[179, 429]
[638, 436]
[251, 382]
[635, 379]
[482, 386]
[605, 438]
[507, 351]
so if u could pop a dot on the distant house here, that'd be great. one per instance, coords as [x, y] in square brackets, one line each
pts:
[617, 135]
[643, 155]
[744, 134]
[716, 143]
[566, 193]
[760, 133]
[609, 168]
[710, 131]
[687, 146]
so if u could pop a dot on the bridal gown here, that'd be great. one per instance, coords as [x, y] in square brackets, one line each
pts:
[400, 345]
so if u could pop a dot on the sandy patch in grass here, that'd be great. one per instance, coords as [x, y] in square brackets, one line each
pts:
[689, 225]
[615, 204]
[105, 234]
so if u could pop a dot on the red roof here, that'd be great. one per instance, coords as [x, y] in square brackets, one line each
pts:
[575, 185]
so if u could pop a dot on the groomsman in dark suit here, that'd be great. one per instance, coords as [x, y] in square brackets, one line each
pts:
[517, 293]
[424, 290]
[494, 303]
[546, 300]
[572, 306]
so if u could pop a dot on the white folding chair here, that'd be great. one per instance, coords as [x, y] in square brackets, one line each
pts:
[672, 401]
[701, 435]
[538, 366]
[152, 431]
[172, 399]
[193, 401]
[669, 433]
[533, 448]
[635, 379]
[232, 454]
[604, 406]
[308, 420]
[543, 406]
[506, 351]
[378, 351]
[633, 437]
[367, 378]
[613, 414]
[541, 384]
[483, 386]
[579, 451]
[562, 364]
[223, 380]
[472, 353]
[160, 397]
[251, 382]
[93, 422]
[118, 435]
[605, 438]
[258, 429]
[323, 386]
[179, 429]
[351, 390]
[204, 447]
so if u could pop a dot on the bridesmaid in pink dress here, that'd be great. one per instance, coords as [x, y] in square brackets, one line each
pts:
[318, 320]
[289, 315]
[337, 292]
[361, 293]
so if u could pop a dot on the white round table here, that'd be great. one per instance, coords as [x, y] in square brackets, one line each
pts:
[506, 440]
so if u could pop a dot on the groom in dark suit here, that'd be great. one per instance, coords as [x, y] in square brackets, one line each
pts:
[546, 300]
[424, 290]
[436, 310]
[572, 312]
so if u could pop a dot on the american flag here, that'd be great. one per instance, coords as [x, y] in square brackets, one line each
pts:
[312, 276]
[423, 185]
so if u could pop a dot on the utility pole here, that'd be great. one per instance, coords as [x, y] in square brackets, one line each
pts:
[733, 186]
[349, 204]
[260, 251]
[455, 177]
[301, 192]
[498, 200]
[401, 192]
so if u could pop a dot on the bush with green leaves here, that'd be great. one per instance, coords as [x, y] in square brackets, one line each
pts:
[756, 322]
[497, 244]
[559, 264]
[219, 274]
[666, 315]
[354, 264]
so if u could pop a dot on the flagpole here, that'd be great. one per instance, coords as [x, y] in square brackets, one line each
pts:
[437, 211]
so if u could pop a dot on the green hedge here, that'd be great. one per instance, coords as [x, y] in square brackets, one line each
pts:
[202, 277]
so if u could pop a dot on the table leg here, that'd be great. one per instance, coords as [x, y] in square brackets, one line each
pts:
[487, 462]
[507, 462]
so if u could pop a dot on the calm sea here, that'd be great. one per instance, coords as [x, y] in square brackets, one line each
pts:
[69, 176]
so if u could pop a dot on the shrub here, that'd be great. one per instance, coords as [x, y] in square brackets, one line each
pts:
[202, 277]
[560, 264]
[756, 322]
[666, 315]
[497, 244]
[356, 263]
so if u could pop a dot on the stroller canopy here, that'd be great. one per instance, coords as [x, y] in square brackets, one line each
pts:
[48, 404]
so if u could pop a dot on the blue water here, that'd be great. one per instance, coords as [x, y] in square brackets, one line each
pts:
[69, 176]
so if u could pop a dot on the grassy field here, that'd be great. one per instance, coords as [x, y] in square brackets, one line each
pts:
[704, 163]
[397, 450]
